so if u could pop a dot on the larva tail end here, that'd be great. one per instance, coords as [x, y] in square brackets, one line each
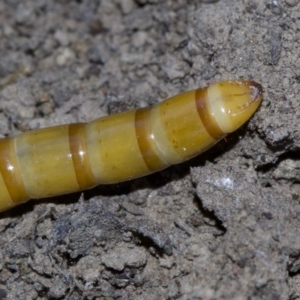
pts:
[237, 101]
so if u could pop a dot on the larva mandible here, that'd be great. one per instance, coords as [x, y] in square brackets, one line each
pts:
[67, 158]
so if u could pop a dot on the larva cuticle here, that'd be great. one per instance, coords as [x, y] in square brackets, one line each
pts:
[68, 158]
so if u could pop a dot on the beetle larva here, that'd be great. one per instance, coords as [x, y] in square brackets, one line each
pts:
[67, 158]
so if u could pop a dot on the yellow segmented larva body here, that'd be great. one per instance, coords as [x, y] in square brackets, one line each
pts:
[68, 158]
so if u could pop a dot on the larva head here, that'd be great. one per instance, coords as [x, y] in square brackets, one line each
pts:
[232, 103]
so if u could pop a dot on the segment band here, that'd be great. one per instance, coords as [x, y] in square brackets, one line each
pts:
[205, 115]
[146, 140]
[10, 171]
[82, 167]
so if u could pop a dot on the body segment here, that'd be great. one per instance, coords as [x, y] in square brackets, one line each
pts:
[68, 158]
